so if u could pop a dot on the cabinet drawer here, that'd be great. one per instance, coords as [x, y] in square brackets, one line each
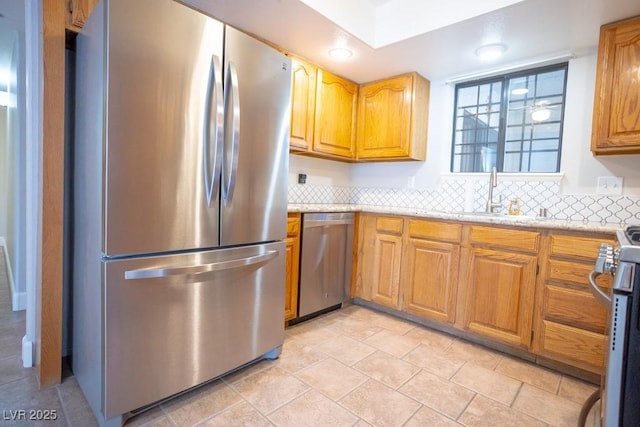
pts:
[585, 248]
[390, 225]
[506, 238]
[293, 225]
[446, 232]
[573, 307]
[574, 273]
[574, 344]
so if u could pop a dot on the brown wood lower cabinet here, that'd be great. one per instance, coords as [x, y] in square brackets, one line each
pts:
[525, 288]
[292, 266]
[500, 289]
[429, 278]
[380, 253]
[570, 324]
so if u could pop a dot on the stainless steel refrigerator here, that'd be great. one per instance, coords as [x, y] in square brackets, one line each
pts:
[180, 189]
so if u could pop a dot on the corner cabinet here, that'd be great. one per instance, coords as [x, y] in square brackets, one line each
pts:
[498, 283]
[570, 323]
[335, 116]
[393, 119]
[616, 116]
[323, 113]
[292, 263]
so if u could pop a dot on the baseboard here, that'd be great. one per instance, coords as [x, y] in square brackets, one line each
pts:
[27, 353]
[18, 299]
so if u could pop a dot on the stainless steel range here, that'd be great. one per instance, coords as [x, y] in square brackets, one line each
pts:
[621, 385]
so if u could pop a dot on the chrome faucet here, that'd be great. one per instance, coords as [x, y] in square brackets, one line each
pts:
[493, 182]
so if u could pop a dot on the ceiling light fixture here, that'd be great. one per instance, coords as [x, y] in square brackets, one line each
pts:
[520, 91]
[340, 53]
[540, 114]
[489, 52]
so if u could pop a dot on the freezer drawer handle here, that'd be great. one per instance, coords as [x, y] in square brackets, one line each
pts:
[153, 273]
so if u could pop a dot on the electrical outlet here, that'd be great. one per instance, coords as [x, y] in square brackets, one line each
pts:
[609, 185]
[302, 178]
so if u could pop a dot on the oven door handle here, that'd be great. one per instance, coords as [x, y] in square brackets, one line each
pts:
[598, 293]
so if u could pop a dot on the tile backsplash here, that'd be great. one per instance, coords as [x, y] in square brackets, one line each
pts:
[469, 194]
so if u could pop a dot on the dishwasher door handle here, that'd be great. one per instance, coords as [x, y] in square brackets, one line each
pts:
[327, 222]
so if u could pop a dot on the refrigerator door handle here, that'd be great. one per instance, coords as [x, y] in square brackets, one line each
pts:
[215, 126]
[231, 96]
[154, 273]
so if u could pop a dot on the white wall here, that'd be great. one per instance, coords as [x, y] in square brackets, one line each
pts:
[16, 184]
[4, 173]
[319, 171]
[579, 166]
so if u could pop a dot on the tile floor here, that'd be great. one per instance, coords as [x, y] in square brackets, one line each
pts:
[352, 367]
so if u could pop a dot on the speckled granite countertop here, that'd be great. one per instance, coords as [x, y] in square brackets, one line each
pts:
[520, 221]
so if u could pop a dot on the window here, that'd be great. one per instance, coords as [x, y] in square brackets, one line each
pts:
[513, 122]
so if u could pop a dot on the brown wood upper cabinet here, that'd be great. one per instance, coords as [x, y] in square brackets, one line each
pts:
[616, 116]
[323, 113]
[78, 12]
[392, 119]
[335, 116]
[303, 104]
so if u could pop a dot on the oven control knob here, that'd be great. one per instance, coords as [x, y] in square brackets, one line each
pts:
[607, 260]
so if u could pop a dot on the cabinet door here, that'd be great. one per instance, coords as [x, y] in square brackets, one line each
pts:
[292, 255]
[392, 119]
[384, 118]
[616, 116]
[334, 129]
[385, 283]
[303, 104]
[430, 279]
[78, 13]
[500, 290]
[379, 258]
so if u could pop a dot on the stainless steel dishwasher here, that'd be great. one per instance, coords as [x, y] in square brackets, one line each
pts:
[325, 267]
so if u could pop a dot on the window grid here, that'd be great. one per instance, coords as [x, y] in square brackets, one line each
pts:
[537, 145]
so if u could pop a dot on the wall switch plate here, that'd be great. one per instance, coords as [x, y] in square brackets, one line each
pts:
[609, 185]
[302, 178]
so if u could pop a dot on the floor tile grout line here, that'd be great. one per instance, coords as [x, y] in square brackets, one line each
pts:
[297, 396]
[475, 396]
[516, 395]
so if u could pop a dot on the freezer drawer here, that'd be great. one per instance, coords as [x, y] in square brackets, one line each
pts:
[172, 322]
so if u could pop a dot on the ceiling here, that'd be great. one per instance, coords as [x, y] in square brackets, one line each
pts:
[533, 30]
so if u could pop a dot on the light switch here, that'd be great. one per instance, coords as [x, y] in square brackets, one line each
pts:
[609, 185]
